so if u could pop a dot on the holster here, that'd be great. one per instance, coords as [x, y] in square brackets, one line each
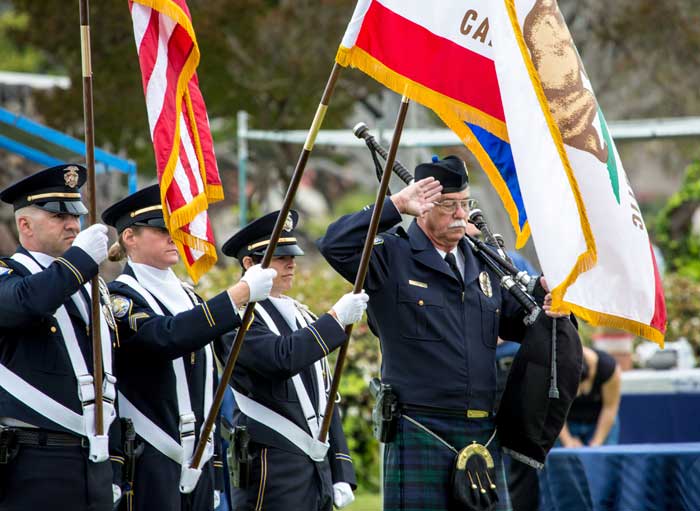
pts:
[133, 448]
[473, 481]
[9, 446]
[385, 415]
[238, 457]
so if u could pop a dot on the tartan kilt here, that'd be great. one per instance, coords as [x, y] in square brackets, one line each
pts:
[417, 467]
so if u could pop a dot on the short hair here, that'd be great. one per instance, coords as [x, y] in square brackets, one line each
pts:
[31, 211]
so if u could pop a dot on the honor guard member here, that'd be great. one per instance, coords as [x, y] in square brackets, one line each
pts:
[280, 385]
[164, 359]
[437, 310]
[50, 456]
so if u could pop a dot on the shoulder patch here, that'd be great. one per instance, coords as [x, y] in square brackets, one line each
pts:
[120, 305]
[4, 270]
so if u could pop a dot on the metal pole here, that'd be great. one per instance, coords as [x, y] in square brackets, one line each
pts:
[364, 263]
[274, 238]
[89, 122]
[242, 135]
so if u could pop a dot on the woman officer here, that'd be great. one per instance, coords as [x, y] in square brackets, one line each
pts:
[163, 360]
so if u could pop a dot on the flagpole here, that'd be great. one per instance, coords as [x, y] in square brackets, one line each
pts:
[276, 233]
[364, 263]
[89, 123]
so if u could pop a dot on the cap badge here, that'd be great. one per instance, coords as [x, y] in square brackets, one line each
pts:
[70, 176]
[485, 284]
[288, 223]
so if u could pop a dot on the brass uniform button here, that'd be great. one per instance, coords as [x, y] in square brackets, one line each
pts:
[421, 302]
[53, 329]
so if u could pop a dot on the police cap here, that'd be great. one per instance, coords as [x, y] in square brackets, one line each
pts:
[253, 239]
[56, 189]
[450, 171]
[140, 208]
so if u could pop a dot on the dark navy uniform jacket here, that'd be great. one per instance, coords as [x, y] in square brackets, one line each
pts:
[31, 344]
[263, 372]
[438, 343]
[148, 343]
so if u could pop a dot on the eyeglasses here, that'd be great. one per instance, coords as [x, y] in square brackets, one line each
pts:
[450, 206]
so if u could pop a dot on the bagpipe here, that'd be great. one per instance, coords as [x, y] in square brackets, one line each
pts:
[545, 373]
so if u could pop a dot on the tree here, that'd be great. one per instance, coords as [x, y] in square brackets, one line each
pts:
[270, 58]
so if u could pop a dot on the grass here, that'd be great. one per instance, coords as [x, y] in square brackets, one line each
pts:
[366, 502]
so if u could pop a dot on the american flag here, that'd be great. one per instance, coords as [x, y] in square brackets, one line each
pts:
[184, 152]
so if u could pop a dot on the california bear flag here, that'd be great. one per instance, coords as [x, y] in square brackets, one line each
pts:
[585, 221]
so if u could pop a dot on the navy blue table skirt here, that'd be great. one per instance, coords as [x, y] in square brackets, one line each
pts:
[643, 477]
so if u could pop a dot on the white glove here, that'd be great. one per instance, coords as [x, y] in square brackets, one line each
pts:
[93, 241]
[259, 282]
[342, 495]
[350, 307]
[116, 493]
[217, 498]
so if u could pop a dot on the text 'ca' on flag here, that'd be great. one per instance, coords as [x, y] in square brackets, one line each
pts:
[441, 57]
[184, 151]
[587, 227]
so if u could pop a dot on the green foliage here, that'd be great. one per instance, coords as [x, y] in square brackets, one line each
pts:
[316, 227]
[683, 309]
[318, 286]
[269, 58]
[18, 58]
[674, 227]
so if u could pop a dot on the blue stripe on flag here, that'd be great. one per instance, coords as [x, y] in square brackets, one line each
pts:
[500, 154]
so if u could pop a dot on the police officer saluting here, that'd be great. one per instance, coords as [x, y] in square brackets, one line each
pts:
[164, 361]
[280, 386]
[50, 456]
[437, 310]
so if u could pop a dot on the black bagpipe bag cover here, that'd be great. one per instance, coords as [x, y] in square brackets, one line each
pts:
[528, 421]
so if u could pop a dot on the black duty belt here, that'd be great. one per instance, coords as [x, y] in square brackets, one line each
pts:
[44, 438]
[450, 412]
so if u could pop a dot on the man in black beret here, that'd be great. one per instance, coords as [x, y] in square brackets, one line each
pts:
[437, 310]
[280, 386]
[50, 456]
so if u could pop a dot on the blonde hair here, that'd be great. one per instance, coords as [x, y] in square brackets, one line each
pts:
[117, 252]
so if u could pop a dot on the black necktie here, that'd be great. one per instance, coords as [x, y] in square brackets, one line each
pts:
[452, 263]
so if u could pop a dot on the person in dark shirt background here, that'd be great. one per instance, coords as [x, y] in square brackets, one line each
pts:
[592, 420]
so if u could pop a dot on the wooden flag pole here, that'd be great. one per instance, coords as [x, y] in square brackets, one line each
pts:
[89, 123]
[364, 264]
[276, 233]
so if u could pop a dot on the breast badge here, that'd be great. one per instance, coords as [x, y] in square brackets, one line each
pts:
[485, 284]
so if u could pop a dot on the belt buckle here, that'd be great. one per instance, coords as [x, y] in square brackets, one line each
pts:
[187, 423]
[84, 442]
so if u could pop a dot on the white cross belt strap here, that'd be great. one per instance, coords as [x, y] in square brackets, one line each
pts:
[307, 442]
[180, 453]
[51, 409]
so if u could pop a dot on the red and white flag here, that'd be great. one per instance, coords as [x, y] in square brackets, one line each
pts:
[184, 151]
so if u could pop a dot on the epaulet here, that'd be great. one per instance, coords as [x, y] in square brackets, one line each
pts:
[399, 232]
